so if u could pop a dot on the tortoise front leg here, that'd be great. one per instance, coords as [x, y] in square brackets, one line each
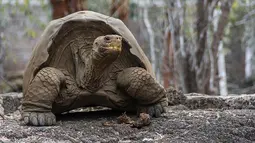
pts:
[41, 93]
[140, 85]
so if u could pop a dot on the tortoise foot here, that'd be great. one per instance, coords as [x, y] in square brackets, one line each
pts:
[154, 110]
[39, 118]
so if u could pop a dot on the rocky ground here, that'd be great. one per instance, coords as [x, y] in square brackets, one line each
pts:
[200, 118]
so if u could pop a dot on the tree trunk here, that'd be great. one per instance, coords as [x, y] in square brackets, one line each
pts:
[172, 44]
[61, 8]
[217, 37]
[2, 56]
[249, 52]
[222, 71]
[151, 38]
[168, 61]
[75, 5]
[122, 9]
[250, 44]
[181, 33]
[201, 67]
[202, 23]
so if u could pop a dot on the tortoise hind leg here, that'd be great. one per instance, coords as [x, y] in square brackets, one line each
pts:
[41, 93]
[140, 85]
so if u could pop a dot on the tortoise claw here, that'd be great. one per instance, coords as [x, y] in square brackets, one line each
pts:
[39, 118]
[154, 110]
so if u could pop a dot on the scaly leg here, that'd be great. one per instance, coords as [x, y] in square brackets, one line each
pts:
[140, 85]
[41, 93]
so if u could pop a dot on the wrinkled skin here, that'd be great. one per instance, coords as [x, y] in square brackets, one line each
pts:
[54, 91]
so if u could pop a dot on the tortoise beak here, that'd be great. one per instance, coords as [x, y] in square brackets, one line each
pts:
[114, 42]
[116, 48]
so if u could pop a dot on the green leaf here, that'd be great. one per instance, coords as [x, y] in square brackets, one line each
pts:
[16, 3]
[31, 33]
[235, 5]
[26, 3]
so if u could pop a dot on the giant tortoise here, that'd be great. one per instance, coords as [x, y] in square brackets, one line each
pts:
[88, 59]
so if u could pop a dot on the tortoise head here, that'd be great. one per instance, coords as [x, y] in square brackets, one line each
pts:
[106, 50]
[108, 45]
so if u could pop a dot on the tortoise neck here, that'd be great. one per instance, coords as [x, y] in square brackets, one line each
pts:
[95, 69]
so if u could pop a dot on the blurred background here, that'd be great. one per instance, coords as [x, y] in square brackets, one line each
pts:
[204, 46]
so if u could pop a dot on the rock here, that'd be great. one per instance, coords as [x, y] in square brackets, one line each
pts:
[220, 102]
[241, 102]
[205, 102]
[212, 125]
[199, 119]
[10, 102]
[178, 107]
[1, 108]
[175, 96]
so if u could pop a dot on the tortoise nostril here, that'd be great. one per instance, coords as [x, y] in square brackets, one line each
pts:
[106, 38]
[119, 38]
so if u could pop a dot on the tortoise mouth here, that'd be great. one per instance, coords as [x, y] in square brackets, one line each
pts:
[108, 45]
[112, 47]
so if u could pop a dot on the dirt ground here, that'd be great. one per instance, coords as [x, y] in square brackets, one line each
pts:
[174, 126]
[200, 119]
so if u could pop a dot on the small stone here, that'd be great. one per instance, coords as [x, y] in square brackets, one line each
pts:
[1, 112]
[5, 140]
[108, 124]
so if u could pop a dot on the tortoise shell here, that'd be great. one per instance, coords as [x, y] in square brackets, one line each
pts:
[63, 39]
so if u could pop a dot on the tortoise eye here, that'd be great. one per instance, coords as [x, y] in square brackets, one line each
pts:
[96, 43]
